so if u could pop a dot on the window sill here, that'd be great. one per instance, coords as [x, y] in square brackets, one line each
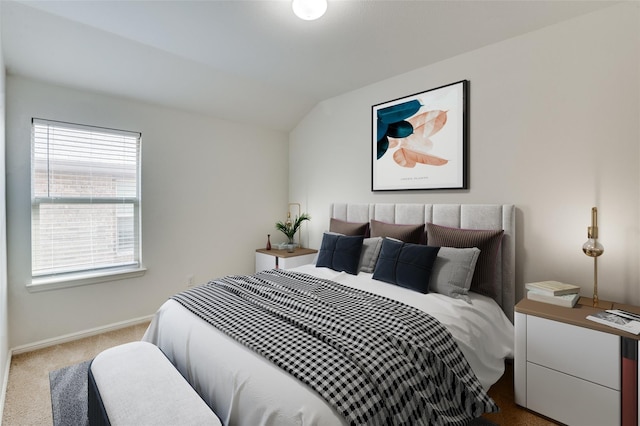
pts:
[76, 280]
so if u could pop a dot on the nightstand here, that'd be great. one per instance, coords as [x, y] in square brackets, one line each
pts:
[270, 259]
[574, 370]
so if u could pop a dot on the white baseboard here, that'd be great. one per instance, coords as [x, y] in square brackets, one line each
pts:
[76, 336]
[5, 382]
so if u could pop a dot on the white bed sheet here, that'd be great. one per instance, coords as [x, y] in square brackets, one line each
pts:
[245, 389]
[483, 332]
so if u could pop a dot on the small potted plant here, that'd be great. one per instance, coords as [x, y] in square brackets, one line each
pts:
[290, 228]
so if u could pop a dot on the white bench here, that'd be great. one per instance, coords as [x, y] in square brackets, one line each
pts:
[135, 384]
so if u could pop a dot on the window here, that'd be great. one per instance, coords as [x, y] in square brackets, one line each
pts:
[85, 201]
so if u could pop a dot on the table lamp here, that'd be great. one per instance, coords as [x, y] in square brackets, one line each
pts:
[593, 248]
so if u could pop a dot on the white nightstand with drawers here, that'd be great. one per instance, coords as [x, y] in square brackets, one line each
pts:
[574, 370]
[282, 259]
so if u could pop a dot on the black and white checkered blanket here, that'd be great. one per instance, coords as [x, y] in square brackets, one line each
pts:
[375, 360]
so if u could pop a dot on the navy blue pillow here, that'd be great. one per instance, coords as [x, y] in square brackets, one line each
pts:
[405, 264]
[340, 252]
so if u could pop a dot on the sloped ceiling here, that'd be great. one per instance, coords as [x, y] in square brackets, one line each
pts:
[252, 61]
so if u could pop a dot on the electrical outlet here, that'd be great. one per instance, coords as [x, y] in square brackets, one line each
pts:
[191, 280]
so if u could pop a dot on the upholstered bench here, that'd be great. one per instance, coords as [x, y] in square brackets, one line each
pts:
[135, 384]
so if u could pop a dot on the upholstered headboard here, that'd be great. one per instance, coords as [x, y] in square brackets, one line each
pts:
[467, 216]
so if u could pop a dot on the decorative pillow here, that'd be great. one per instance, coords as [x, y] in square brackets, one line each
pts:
[340, 252]
[407, 233]
[370, 252]
[488, 241]
[453, 271]
[405, 264]
[348, 228]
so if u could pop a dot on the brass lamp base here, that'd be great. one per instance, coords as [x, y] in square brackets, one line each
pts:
[593, 248]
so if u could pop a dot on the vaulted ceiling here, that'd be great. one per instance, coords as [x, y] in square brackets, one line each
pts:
[252, 61]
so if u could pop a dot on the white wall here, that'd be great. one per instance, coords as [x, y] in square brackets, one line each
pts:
[4, 327]
[211, 192]
[554, 130]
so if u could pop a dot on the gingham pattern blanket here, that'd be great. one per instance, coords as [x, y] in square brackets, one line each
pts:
[375, 360]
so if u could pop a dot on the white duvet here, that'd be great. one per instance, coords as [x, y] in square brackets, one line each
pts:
[245, 389]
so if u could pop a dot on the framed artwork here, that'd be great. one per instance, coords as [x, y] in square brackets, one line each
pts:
[420, 141]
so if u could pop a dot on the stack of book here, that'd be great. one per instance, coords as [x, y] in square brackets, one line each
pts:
[554, 292]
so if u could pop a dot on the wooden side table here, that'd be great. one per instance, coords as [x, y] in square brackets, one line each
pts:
[574, 370]
[270, 259]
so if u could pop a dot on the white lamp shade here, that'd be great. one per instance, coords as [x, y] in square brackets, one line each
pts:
[309, 9]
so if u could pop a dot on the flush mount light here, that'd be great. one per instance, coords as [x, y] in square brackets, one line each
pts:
[309, 9]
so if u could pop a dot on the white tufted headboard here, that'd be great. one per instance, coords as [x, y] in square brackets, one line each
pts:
[468, 216]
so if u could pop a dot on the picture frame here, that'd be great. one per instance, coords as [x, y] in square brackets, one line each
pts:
[420, 141]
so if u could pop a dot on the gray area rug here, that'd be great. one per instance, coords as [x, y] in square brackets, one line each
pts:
[69, 395]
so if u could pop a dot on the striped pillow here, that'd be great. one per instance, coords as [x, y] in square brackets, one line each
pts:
[488, 241]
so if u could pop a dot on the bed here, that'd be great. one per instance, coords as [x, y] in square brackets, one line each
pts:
[245, 388]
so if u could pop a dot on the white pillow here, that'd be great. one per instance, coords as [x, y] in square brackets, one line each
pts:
[369, 254]
[453, 271]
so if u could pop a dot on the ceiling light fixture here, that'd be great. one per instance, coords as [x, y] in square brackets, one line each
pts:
[309, 9]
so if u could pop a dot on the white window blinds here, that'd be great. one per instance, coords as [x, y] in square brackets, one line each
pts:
[85, 198]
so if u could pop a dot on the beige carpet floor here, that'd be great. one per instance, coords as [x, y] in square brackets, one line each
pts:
[28, 399]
